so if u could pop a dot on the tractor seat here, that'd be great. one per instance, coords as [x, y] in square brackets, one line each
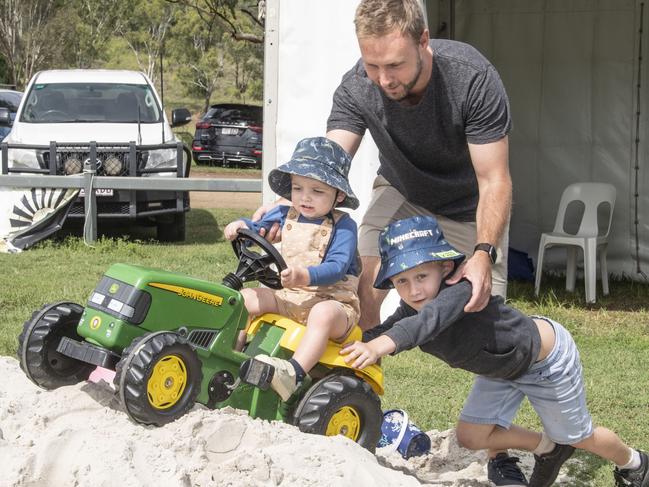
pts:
[331, 358]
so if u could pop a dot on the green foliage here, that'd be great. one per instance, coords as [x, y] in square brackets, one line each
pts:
[196, 38]
[82, 29]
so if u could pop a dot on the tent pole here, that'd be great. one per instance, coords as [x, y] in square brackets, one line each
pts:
[636, 194]
[271, 89]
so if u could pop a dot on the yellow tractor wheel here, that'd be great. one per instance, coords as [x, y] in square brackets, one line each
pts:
[158, 378]
[341, 404]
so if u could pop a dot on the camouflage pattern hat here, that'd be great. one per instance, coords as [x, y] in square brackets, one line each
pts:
[407, 243]
[317, 158]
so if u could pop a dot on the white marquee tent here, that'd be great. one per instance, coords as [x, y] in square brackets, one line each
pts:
[576, 80]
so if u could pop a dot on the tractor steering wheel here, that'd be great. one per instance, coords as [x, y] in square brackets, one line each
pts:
[264, 267]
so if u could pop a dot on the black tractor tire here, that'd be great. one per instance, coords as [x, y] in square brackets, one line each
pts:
[171, 228]
[37, 344]
[338, 396]
[158, 378]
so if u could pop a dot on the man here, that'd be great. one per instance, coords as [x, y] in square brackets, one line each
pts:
[439, 115]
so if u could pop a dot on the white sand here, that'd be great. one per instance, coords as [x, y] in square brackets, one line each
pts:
[80, 436]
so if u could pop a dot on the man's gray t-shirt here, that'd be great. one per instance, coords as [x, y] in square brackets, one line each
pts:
[423, 148]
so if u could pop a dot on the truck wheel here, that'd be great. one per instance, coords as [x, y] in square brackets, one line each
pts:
[171, 228]
[158, 378]
[37, 343]
[341, 404]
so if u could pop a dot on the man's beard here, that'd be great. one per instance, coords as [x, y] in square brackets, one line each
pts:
[410, 85]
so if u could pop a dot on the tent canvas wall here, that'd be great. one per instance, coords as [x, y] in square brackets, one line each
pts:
[577, 87]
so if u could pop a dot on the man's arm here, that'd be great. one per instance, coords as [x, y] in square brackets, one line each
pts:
[491, 165]
[345, 139]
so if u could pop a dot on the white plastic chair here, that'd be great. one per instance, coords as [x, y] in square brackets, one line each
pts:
[588, 236]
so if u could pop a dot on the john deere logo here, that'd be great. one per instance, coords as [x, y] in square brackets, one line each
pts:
[113, 288]
[95, 323]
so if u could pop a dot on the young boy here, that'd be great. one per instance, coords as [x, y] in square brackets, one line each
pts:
[513, 355]
[319, 246]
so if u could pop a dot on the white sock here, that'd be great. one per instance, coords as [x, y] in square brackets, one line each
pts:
[546, 445]
[633, 463]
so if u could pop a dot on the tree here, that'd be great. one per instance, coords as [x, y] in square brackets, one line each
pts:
[201, 48]
[212, 60]
[26, 36]
[145, 31]
[83, 27]
[243, 20]
[247, 70]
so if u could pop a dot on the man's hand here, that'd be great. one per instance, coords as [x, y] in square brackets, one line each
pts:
[296, 276]
[274, 234]
[230, 231]
[361, 355]
[477, 270]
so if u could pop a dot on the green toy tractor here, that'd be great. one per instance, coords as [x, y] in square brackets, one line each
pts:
[171, 341]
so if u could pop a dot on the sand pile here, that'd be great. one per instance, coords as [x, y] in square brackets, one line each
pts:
[80, 436]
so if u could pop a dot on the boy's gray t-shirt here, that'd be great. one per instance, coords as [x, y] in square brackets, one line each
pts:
[423, 148]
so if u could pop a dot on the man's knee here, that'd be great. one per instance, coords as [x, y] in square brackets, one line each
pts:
[370, 298]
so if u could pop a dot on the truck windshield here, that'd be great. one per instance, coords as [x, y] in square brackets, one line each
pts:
[90, 102]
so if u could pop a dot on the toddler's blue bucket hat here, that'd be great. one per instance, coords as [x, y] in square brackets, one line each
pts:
[317, 158]
[405, 244]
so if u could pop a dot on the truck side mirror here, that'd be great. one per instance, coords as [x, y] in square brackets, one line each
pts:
[180, 116]
[5, 117]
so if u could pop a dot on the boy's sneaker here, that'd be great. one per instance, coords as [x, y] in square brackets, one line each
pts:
[503, 471]
[638, 477]
[547, 466]
[284, 381]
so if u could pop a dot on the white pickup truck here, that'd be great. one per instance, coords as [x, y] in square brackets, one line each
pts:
[66, 110]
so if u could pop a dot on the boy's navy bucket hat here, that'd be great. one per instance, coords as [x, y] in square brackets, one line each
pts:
[317, 158]
[407, 243]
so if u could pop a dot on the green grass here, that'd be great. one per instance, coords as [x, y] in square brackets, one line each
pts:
[612, 335]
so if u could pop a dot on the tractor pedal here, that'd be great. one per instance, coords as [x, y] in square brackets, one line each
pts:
[256, 373]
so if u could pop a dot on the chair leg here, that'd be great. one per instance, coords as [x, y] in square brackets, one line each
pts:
[571, 268]
[604, 268]
[590, 268]
[539, 267]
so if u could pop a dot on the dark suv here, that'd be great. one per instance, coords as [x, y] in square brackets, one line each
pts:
[9, 99]
[229, 134]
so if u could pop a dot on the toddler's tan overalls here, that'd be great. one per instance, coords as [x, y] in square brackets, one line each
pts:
[305, 244]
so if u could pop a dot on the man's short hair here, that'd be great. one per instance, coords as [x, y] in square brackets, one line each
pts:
[376, 18]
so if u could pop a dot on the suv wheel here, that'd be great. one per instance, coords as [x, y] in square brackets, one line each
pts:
[171, 228]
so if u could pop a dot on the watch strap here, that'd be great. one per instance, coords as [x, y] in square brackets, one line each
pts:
[490, 249]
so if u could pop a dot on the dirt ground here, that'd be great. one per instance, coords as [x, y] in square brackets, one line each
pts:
[213, 199]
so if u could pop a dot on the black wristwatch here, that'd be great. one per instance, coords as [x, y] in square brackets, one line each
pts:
[490, 249]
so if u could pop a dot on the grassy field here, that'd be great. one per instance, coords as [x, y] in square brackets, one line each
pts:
[612, 335]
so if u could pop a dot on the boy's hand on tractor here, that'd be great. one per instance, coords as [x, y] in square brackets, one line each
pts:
[296, 276]
[361, 355]
[230, 231]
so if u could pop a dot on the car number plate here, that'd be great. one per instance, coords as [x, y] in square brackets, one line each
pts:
[98, 192]
[229, 131]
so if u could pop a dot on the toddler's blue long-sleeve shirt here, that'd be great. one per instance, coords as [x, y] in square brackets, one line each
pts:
[340, 258]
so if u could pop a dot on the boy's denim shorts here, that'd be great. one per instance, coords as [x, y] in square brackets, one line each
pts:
[554, 387]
